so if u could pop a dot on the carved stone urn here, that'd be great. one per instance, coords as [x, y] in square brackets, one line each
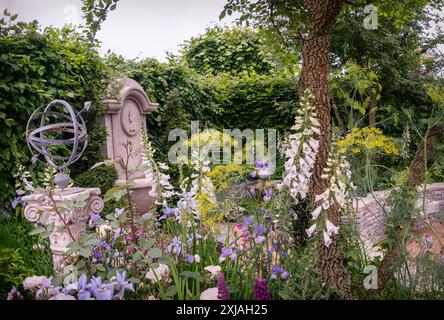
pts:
[126, 113]
[74, 219]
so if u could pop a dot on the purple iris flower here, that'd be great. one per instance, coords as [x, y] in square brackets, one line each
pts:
[261, 164]
[82, 282]
[104, 294]
[260, 229]
[94, 217]
[268, 195]
[122, 283]
[284, 275]
[83, 295]
[97, 254]
[226, 252]
[175, 246]
[169, 213]
[96, 283]
[248, 220]
[190, 259]
[105, 246]
[277, 269]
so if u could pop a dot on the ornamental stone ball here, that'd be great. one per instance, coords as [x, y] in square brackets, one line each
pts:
[58, 133]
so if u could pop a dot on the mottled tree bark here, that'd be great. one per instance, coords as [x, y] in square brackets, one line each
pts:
[417, 170]
[315, 45]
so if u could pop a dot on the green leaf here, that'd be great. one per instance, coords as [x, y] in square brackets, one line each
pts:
[85, 252]
[37, 230]
[149, 243]
[171, 291]
[155, 253]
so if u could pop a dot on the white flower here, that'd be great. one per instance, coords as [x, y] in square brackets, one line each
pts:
[315, 214]
[331, 228]
[209, 294]
[196, 258]
[300, 151]
[161, 271]
[311, 230]
[327, 239]
[215, 270]
[36, 281]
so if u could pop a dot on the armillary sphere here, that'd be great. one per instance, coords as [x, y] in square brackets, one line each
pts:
[58, 133]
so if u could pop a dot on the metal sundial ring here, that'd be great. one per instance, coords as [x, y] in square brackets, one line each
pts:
[45, 135]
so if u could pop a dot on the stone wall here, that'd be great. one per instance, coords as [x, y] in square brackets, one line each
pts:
[370, 212]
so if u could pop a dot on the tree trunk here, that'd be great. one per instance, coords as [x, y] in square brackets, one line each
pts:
[315, 44]
[416, 175]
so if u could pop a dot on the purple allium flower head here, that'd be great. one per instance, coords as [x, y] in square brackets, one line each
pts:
[268, 195]
[261, 290]
[14, 294]
[222, 289]
[273, 276]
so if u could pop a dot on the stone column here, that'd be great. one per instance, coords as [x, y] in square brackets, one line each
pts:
[76, 218]
[126, 113]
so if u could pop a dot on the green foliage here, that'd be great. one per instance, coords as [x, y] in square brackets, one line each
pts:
[13, 270]
[37, 66]
[95, 13]
[230, 51]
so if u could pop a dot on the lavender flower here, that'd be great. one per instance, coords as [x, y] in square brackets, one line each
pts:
[222, 289]
[261, 290]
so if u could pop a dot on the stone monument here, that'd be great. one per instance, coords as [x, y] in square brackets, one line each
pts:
[51, 132]
[125, 114]
[74, 219]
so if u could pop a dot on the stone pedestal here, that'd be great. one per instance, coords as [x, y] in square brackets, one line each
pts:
[125, 114]
[76, 219]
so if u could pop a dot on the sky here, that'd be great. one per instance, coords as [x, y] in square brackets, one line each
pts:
[137, 28]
